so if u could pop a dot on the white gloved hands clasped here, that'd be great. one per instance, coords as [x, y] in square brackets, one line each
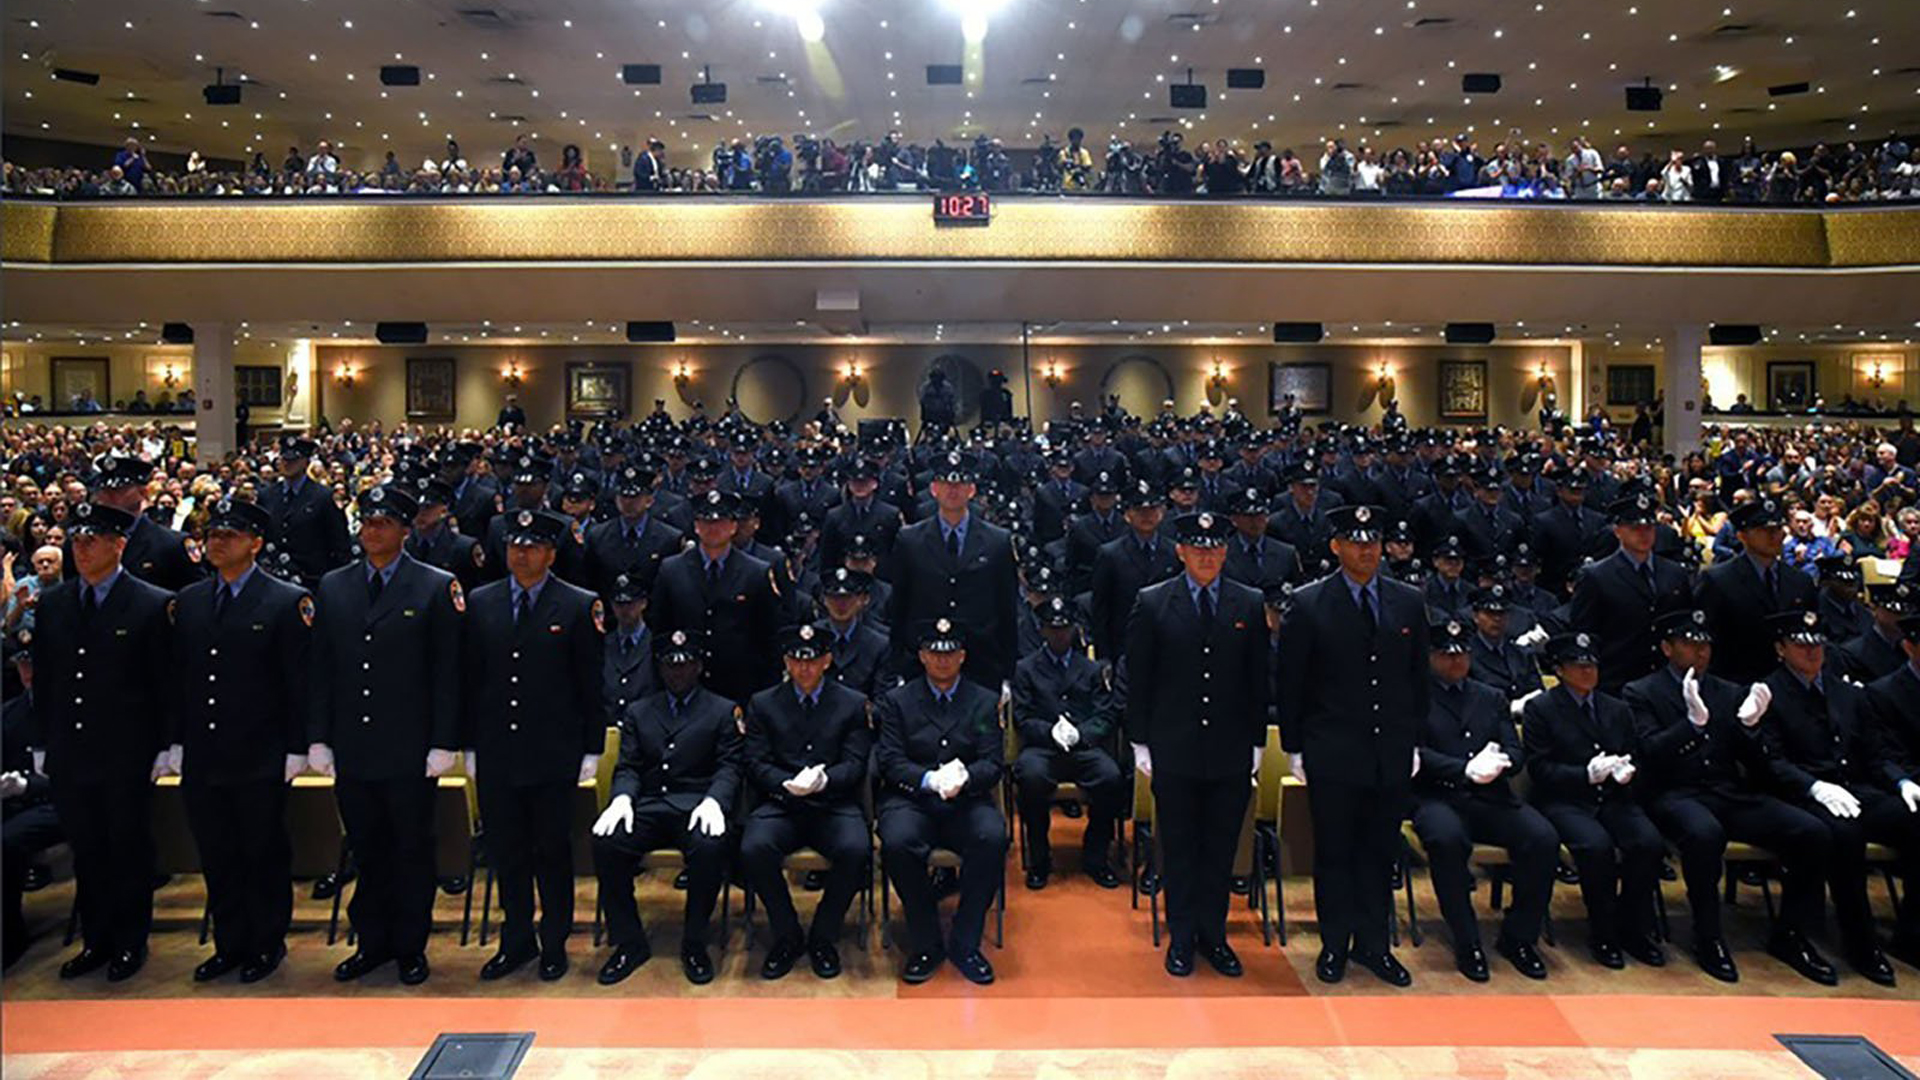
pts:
[708, 818]
[1489, 763]
[1065, 735]
[1838, 801]
[1259, 752]
[1600, 767]
[1752, 709]
[11, 784]
[162, 763]
[1622, 772]
[949, 779]
[808, 781]
[439, 762]
[1697, 714]
[296, 764]
[1297, 764]
[617, 815]
[1143, 760]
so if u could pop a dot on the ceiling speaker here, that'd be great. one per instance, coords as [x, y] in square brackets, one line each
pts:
[399, 75]
[1733, 334]
[400, 333]
[640, 74]
[1480, 84]
[1297, 333]
[649, 332]
[1469, 333]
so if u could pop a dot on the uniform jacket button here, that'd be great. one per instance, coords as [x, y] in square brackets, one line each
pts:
[213, 652]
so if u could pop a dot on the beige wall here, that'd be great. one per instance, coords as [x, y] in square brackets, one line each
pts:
[1839, 370]
[131, 367]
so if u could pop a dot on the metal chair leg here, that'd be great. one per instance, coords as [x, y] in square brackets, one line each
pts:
[73, 918]
[466, 904]
[339, 888]
[1279, 894]
[1413, 917]
[486, 907]
[206, 920]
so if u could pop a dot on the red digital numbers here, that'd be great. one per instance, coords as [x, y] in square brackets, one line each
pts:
[962, 208]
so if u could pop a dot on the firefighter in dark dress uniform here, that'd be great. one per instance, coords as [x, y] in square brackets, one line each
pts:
[1066, 713]
[626, 670]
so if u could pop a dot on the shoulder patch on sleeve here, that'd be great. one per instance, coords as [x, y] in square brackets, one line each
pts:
[192, 548]
[305, 607]
[773, 581]
[479, 554]
[459, 596]
[599, 616]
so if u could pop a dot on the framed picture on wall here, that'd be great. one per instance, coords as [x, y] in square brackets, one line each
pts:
[258, 386]
[429, 388]
[1790, 385]
[1310, 384]
[1630, 384]
[1463, 391]
[598, 390]
[80, 384]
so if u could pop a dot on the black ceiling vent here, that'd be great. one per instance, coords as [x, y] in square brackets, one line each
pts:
[944, 75]
[640, 74]
[1733, 334]
[1348, 86]
[1431, 20]
[236, 16]
[1788, 89]
[89, 78]
[1190, 19]
[1469, 333]
[1727, 30]
[509, 118]
[771, 80]
[485, 18]
[1246, 78]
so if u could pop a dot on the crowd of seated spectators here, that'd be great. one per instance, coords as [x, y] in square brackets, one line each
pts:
[1511, 168]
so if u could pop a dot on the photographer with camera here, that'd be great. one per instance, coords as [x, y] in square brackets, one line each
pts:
[1125, 172]
[773, 164]
[1076, 162]
[1045, 175]
[1173, 166]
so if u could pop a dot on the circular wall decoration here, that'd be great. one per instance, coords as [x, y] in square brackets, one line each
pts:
[967, 382]
[1142, 382]
[770, 387]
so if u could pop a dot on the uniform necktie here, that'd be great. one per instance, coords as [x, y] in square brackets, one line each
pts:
[221, 596]
[375, 586]
[953, 542]
[1773, 583]
[1587, 708]
[520, 609]
[1646, 572]
[1206, 607]
[1367, 612]
[88, 605]
[713, 572]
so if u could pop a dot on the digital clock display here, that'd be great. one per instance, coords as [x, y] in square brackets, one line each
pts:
[962, 208]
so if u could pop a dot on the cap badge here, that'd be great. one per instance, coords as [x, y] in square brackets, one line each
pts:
[806, 633]
[943, 626]
[1363, 515]
[1583, 641]
[1206, 521]
[525, 519]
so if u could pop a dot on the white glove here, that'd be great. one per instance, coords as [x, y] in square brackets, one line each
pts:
[175, 755]
[320, 758]
[1297, 764]
[12, 784]
[1416, 764]
[617, 815]
[40, 762]
[160, 764]
[1532, 638]
[1755, 707]
[1600, 767]
[1910, 794]
[1065, 734]
[1690, 693]
[589, 767]
[1258, 753]
[439, 762]
[817, 780]
[1489, 763]
[804, 782]
[1838, 800]
[1520, 703]
[1143, 760]
[708, 818]
[1623, 769]
[950, 779]
[1006, 692]
[296, 764]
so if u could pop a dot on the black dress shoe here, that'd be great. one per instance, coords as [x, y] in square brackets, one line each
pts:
[264, 965]
[214, 966]
[553, 966]
[780, 960]
[1223, 959]
[453, 886]
[680, 881]
[1386, 969]
[126, 964]
[625, 961]
[414, 970]
[85, 962]
[1331, 967]
[814, 881]
[825, 959]
[1607, 955]
[1566, 875]
[921, 966]
[1241, 885]
[1179, 960]
[1524, 958]
[328, 884]
[946, 882]
[1149, 883]
[1715, 960]
[1472, 962]
[975, 968]
[1872, 965]
[1645, 950]
[1103, 876]
[355, 966]
[503, 964]
[1071, 808]
[696, 965]
[1036, 879]
[1798, 953]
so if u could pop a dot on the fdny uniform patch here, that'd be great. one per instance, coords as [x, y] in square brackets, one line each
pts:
[459, 597]
[305, 607]
[599, 617]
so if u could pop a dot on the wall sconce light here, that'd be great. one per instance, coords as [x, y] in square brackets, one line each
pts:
[345, 375]
[682, 374]
[170, 376]
[852, 384]
[1218, 380]
[1877, 377]
[513, 374]
[1052, 374]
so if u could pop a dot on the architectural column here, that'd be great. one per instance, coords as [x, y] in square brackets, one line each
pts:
[213, 426]
[1680, 374]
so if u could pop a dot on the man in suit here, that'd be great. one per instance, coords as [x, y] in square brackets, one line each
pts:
[626, 671]
[437, 543]
[807, 744]
[1059, 498]
[1469, 752]
[1707, 769]
[955, 566]
[1496, 661]
[104, 737]
[1090, 531]
[939, 761]
[385, 723]
[1618, 599]
[679, 771]
[1435, 514]
[246, 638]
[28, 822]
[1564, 534]
[1065, 711]
[743, 476]
[1740, 594]
[1581, 744]
[635, 541]
[1254, 558]
[1709, 174]
[1127, 565]
[306, 523]
[1198, 663]
[531, 657]
[155, 554]
[1216, 490]
[1353, 690]
[1831, 763]
[860, 513]
[725, 598]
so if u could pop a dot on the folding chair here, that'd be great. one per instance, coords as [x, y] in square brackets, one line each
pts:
[1493, 862]
[1268, 805]
[806, 860]
[940, 859]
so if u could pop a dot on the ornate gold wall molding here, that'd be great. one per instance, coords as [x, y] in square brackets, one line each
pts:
[901, 229]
